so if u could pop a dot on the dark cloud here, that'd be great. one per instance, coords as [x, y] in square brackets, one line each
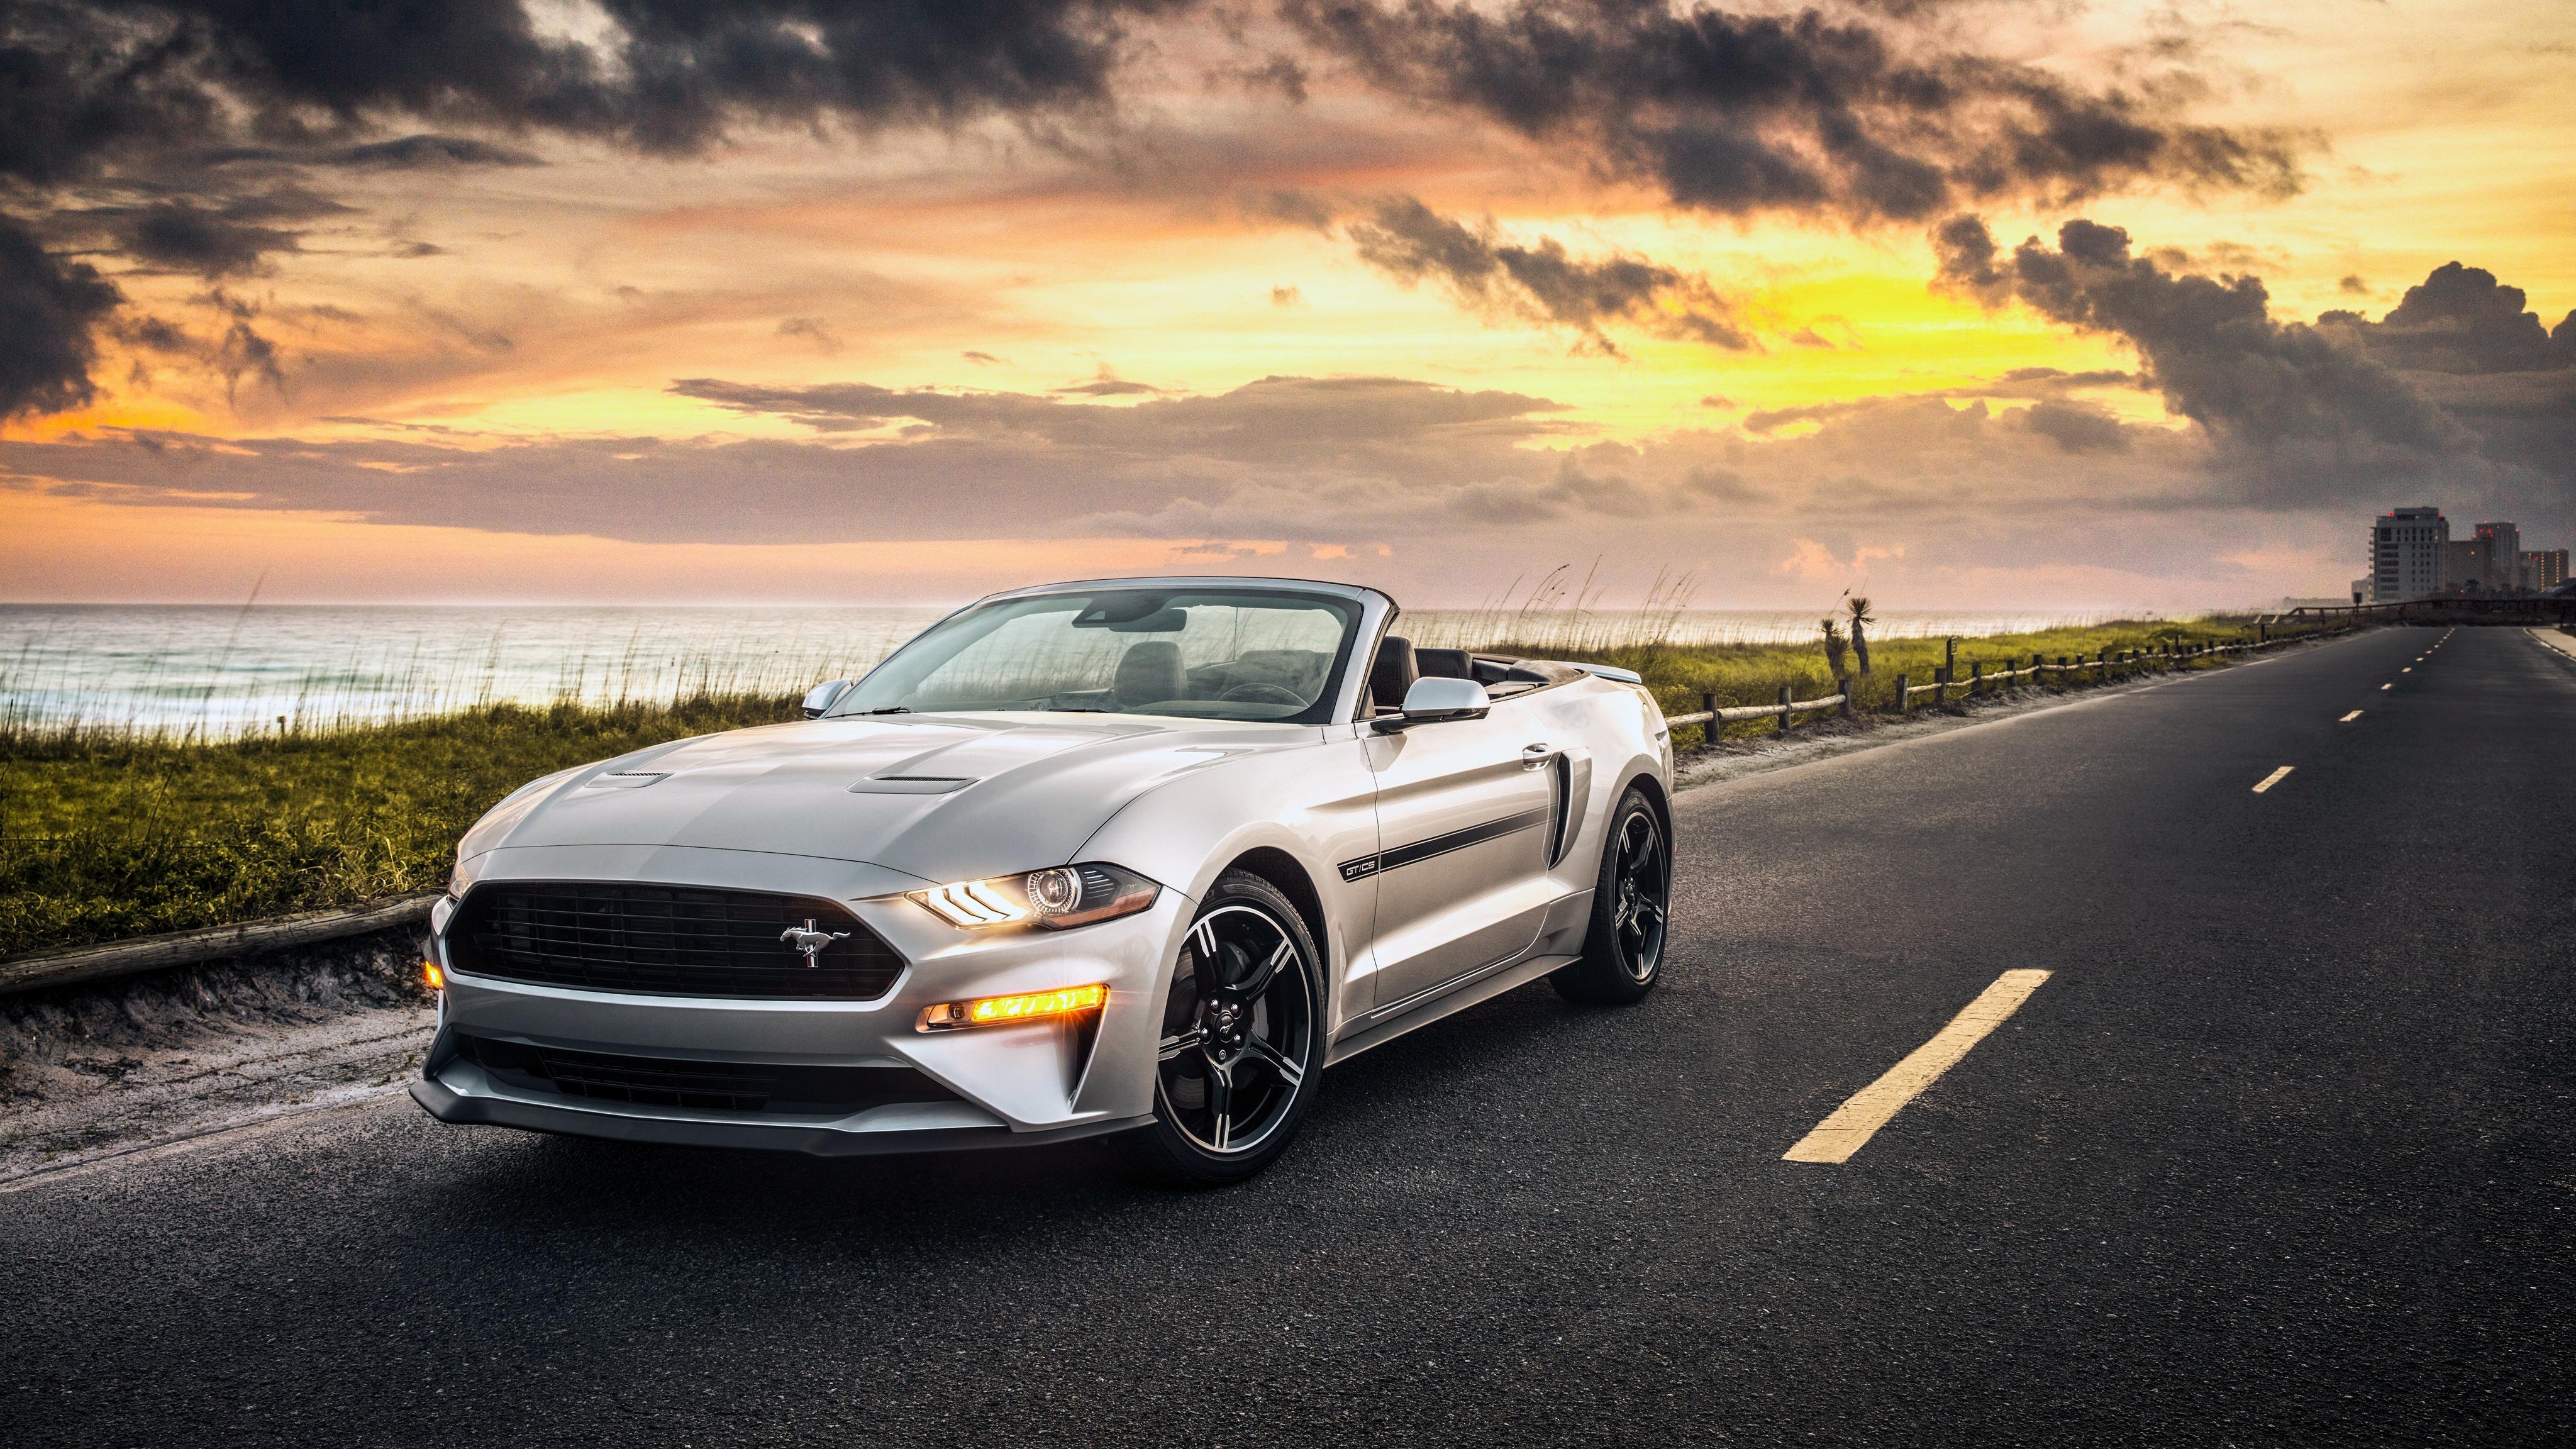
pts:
[2463, 340]
[2297, 416]
[2059, 378]
[1108, 384]
[1280, 73]
[814, 330]
[2459, 320]
[1296, 208]
[413, 153]
[1741, 113]
[242, 353]
[179, 236]
[47, 309]
[133, 119]
[85, 84]
[2076, 427]
[1541, 283]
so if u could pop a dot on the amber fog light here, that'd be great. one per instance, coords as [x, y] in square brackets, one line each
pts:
[436, 978]
[1003, 1010]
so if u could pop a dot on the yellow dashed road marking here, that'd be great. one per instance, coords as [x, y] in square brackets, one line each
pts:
[1856, 1121]
[2347, 719]
[2274, 778]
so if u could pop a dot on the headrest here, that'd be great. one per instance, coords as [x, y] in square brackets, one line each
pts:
[1149, 673]
[1392, 674]
[1445, 663]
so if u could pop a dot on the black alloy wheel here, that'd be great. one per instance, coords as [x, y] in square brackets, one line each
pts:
[1242, 1039]
[1623, 952]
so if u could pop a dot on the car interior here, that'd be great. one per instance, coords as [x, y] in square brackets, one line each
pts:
[1398, 664]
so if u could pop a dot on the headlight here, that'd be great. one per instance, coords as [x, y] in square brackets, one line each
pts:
[1066, 895]
[460, 880]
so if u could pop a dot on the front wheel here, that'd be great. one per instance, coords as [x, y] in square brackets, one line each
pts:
[1242, 1040]
[1623, 952]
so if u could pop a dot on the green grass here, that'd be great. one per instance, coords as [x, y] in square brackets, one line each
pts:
[1753, 673]
[106, 835]
[109, 836]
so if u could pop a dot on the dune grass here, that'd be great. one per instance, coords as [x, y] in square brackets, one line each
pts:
[104, 836]
[107, 834]
[1753, 673]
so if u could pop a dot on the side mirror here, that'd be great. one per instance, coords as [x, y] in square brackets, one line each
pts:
[1434, 700]
[821, 696]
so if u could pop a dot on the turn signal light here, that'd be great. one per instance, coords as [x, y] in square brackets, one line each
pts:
[1003, 1010]
[436, 978]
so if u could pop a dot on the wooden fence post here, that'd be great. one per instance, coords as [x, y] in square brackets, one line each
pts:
[1976, 678]
[1784, 709]
[1904, 698]
[1848, 687]
[1708, 731]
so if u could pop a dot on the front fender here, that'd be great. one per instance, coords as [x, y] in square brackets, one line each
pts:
[1316, 806]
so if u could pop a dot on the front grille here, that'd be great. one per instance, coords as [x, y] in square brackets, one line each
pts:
[666, 941]
[739, 1087]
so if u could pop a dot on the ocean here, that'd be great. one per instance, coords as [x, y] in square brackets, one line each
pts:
[218, 671]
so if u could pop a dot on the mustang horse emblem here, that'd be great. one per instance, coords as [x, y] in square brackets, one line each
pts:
[810, 941]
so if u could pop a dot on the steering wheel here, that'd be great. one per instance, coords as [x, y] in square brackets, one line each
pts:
[1261, 694]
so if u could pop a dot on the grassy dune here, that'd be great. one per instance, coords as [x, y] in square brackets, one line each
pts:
[109, 836]
[104, 835]
[1753, 674]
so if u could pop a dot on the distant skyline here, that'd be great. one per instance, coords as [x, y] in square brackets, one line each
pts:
[1962, 304]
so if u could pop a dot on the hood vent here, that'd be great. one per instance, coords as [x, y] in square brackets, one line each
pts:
[911, 785]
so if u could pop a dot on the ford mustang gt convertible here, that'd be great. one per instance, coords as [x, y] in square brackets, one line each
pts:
[1138, 857]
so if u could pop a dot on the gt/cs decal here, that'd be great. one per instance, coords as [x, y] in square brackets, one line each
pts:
[1422, 850]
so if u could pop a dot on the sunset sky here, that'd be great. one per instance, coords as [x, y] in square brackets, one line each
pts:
[1966, 304]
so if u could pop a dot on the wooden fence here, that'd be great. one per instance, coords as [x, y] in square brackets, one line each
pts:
[2104, 667]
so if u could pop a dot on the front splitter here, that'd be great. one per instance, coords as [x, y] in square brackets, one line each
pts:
[812, 1140]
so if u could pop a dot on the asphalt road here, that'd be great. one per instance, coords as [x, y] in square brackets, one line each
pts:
[2283, 1152]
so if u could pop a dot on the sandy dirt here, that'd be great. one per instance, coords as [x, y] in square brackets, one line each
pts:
[87, 1072]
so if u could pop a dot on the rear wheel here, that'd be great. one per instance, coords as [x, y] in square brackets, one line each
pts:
[1242, 1040]
[1623, 952]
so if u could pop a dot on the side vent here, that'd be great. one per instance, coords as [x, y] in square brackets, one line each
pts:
[1570, 778]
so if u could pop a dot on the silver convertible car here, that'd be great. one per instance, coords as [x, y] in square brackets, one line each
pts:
[1138, 857]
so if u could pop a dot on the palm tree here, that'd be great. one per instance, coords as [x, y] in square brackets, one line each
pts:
[1835, 644]
[1861, 619]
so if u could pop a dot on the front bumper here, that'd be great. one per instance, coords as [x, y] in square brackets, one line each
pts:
[1021, 1084]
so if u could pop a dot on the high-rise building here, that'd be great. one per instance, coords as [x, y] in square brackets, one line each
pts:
[2545, 569]
[2406, 554]
[2503, 543]
[2465, 566]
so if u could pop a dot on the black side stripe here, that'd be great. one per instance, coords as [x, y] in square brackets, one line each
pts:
[1438, 845]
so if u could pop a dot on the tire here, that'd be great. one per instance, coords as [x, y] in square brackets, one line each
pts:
[1242, 1050]
[1623, 951]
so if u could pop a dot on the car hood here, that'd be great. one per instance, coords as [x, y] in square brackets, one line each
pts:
[940, 797]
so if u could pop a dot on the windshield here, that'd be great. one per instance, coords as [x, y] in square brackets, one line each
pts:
[1209, 653]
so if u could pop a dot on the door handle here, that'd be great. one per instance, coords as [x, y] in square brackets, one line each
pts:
[1533, 756]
